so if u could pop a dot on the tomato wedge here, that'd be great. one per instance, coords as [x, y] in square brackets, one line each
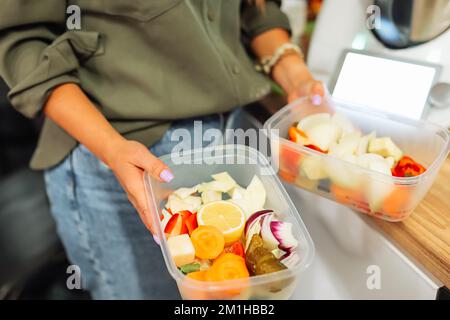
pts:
[407, 167]
[311, 146]
[236, 248]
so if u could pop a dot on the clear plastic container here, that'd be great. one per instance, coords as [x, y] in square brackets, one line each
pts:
[377, 194]
[242, 163]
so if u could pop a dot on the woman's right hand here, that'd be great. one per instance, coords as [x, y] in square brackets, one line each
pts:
[70, 108]
[129, 160]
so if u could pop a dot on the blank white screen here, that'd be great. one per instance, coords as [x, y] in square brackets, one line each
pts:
[383, 84]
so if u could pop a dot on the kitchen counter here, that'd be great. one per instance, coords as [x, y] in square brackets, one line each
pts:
[425, 235]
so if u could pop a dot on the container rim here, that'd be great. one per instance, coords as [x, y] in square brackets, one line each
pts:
[309, 251]
[339, 104]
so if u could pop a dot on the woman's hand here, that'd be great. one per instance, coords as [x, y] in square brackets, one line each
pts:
[294, 77]
[71, 109]
[129, 160]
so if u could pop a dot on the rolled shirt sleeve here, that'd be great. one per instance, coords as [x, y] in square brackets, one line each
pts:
[255, 21]
[37, 53]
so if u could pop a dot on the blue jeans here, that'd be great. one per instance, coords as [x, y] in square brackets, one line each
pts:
[102, 232]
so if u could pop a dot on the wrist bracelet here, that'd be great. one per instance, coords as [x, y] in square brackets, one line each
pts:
[267, 63]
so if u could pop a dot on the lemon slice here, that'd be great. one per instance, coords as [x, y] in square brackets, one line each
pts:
[225, 216]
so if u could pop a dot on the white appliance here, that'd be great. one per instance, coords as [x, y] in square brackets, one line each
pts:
[345, 25]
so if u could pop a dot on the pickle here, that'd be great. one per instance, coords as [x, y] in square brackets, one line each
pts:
[259, 259]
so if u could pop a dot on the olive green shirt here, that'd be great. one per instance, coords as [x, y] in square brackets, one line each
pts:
[143, 63]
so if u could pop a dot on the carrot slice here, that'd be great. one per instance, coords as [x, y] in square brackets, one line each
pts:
[195, 291]
[396, 204]
[346, 195]
[228, 266]
[287, 176]
[208, 242]
[197, 275]
[289, 159]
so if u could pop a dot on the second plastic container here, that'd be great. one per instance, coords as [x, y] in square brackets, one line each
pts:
[242, 163]
[386, 197]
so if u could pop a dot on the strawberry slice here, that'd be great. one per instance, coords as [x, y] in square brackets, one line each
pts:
[191, 222]
[175, 226]
[185, 213]
[311, 146]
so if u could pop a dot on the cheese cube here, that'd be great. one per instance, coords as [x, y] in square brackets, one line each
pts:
[181, 249]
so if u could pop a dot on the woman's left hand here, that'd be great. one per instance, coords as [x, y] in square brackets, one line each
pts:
[296, 80]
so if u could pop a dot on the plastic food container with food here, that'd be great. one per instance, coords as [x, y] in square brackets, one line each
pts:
[374, 193]
[242, 163]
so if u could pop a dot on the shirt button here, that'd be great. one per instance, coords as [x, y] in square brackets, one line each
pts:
[210, 15]
[236, 70]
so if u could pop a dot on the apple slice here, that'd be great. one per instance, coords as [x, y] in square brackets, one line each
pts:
[195, 202]
[364, 143]
[175, 204]
[256, 194]
[224, 177]
[385, 147]
[343, 122]
[210, 195]
[348, 144]
[366, 159]
[391, 162]
[324, 135]
[221, 186]
[251, 199]
[313, 168]
[343, 175]
[165, 217]
[311, 121]
[377, 191]
[186, 192]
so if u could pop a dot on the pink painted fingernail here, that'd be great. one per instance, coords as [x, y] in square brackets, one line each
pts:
[166, 175]
[155, 237]
[316, 99]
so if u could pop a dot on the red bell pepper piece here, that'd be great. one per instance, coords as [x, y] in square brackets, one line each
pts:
[407, 167]
[191, 223]
[311, 146]
[236, 248]
[175, 226]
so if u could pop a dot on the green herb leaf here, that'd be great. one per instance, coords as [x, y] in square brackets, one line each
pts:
[191, 267]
